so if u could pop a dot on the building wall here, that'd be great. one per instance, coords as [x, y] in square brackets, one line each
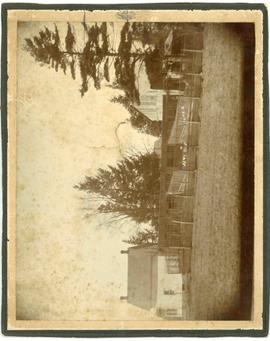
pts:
[180, 139]
[170, 304]
[159, 280]
[177, 157]
[151, 102]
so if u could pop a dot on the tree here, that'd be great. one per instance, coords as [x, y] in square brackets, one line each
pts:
[144, 237]
[128, 190]
[139, 121]
[95, 57]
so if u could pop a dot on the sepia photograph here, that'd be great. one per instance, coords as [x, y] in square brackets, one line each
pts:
[134, 142]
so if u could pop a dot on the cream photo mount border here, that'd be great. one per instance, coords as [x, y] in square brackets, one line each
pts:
[14, 14]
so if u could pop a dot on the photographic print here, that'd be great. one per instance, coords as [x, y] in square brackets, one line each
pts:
[134, 167]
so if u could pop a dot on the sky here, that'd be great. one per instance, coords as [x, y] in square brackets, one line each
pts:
[68, 267]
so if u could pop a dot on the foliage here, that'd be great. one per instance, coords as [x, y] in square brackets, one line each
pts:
[125, 65]
[46, 49]
[144, 237]
[97, 55]
[129, 190]
[94, 56]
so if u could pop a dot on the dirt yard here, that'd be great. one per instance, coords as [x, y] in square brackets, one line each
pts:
[216, 255]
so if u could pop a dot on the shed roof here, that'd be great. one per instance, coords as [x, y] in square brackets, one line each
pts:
[142, 276]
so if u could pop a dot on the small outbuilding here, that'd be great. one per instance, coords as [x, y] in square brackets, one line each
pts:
[158, 280]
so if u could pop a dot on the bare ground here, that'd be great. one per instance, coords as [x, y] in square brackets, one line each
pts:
[216, 253]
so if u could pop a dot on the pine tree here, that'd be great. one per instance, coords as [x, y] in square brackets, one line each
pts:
[144, 237]
[128, 190]
[94, 59]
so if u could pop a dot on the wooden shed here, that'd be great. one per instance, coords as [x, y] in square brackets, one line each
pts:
[158, 279]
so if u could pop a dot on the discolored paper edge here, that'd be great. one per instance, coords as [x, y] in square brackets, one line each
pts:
[213, 16]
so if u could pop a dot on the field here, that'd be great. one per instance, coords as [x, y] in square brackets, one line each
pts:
[218, 276]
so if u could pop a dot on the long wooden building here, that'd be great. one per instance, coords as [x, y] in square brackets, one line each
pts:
[159, 275]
